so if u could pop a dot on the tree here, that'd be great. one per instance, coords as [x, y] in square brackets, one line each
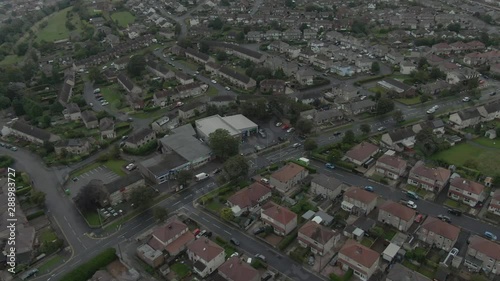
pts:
[436, 73]
[178, 29]
[22, 48]
[223, 144]
[455, 27]
[4, 102]
[290, 3]
[385, 105]
[37, 197]
[90, 196]
[422, 63]
[221, 56]
[204, 47]
[349, 137]
[216, 24]
[226, 214]
[496, 180]
[424, 98]
[358, 27]
[303, 27]
[94, 74]
[184, 177]
[365, 128]
[310, 144]
[304, 126]
[136, 65]
[142, 197]
[375, 67]
[398, 116]
[160, 213]
[236, 167]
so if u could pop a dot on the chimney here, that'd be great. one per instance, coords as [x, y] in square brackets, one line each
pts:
[169, 226]
[359, 250]
[204, 249]
[464, 182]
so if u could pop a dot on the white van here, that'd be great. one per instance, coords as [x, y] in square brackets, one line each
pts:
[201, 176]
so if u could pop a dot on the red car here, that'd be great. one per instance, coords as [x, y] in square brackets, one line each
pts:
[196, 231]
[419, 218]
[285, 127]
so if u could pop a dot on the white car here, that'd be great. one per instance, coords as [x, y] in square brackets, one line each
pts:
[105, 103]
[228, 89]
[213, 81]
[411, 204]
[290, 130]
[380, 129]
[235, 254]
[466, 99]
[430, 111]
[130, 167]
[279, 124]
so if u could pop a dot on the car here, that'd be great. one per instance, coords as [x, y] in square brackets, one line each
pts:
[310, 260]
[268, 275]
[104, 103]
[235, 254]
[227, 89]
[74, 179]
[130, 167]
[412, 195]
[260, 257]
[285, 127]
[466, 99]
[490, 235]
[380, 129]
[262, 133]
[208, 234]
[430, 111]
[303, 137]
[260, 230]
[91, 104]
[296, 145]
[369, 188]
[198, 236]
[216, 171]
[196, 231]
[290, 130]
[235, 241]
[419, 218]
[214, 82]
[130, 119]
[363, 97]
[444, 218]
[455, 212]
[13, 148]
[278, 124]
[281, 139]
[493, 93]
[337, 134]
[330, 166]
[411, 204]
[264, 180]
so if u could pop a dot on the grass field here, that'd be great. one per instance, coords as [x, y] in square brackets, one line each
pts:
[123, 18]
[181, 270]
[50, 263]
[377, 88]
[410, 101]
[112, 95]
[93, 219]
[56, 26]
[47, 236]
[487, 159]
[11, 59]
[212, 91]
[487, 142]
[152, 114]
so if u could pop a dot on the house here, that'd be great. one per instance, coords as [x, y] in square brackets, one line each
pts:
[140, 138]
[72, 146]
[467, 191]
[191, 110]
[135, 101]
[29, 133]
[465, 118]
[274, 86]
[362, 106]
[288, 177]
[483, 254]
[489, 111]
[236, 78]
[359, 201]
[494, 206]
[431, 179]
[254, 36]
[436, 125]
[162, 168]
[435, 88]
[438, 233]
[198, 57]
[172, 237]
[394, 57]
[89, 119]
[159, 70]
[184, 142]
[396, 215]
[127, 84]
[278, 46]
[441, 48]
[72, 112]
[249, 198]
[206, 256]
[364, 64]
[280, 218]
[404, 137]
[322, 62]
[362, 260]
[121, 188]
[361, 153]
[107, 128]
[321, 239]
[461, 75]
[235, 269]
[304, 77]
[329, 187]
[310, 97]
[399, 272]
[183, 78]
[327, 116]
[152, 257]
[394, 85]
[495, 68]
[407, 67]
[390, 166]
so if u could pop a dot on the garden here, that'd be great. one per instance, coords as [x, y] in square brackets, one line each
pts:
[123, 18]
[55, 28]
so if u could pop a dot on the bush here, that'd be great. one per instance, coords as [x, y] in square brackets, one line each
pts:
[145, 150]
[273, 167]
[86, 270]
[384, 181]
[257, 264]
[220, 241]
[310, 169]
[287, 241]
[35, 215]
[346, 165]
[23, 191]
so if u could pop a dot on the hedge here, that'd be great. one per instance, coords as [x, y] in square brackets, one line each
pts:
[310, 169]
[85, 271]
[144, 150]
[23, 191]
[287, 241]
[35, 215]
[347, 276]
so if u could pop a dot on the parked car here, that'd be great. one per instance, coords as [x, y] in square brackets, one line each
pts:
[260, 257]
[285, 127]
[235, 241]
[369, 188]
[455, 212]
[337, 134]
[330, 166]
[262, 133]
[281, 139]
[278, 124]
[490, 235]
[380, 129]
[227, 89]
[493, 93]
[419, 218]
[290, 130]
[444, 218]
[235, 254]
[296, 145]
[130, 167]
[412, 195]
[264, 180]
[466, 99]
[310, 260]
[214, 82]
[216, 171]
[411, 204]
[198, 236]
[13, 148]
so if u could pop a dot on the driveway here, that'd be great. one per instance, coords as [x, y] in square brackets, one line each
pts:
[100, 173]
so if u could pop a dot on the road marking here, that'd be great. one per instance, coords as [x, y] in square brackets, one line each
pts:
[176, 203]
[227, 232]
[134, 227]
[190, 195]
[204, 219]
[216, 226]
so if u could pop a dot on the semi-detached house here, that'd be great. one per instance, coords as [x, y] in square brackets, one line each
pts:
[494, 206]
[288, 177]
[206, 256]
[329, 187]
[467, 191]
[483, 254]
[438, 233]
[431, 179]
[362, 260]
[359, 201]
[171, 237]
[465, 118]
[361, 153]
[280, 218]
[390, 166]
[321, 239]
[396, 215]
[249, 198]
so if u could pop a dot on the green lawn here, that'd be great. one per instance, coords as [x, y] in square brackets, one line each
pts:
[56, 26]
[377, 88]
[215, 206]
[116, 166]
[182, 270]
[160, 112]
[93, 219]
[85, 169]
[212, 91]
[487, 142]
[367, 242]
[410, 101]
[488, 160]
[11, 59]
[112, 95]
[123, 18]
[456, 205]
[50, 263]
[47, 236]
[189, 64]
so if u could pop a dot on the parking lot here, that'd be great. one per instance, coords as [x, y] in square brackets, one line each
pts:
[101, 173]
[272, 134]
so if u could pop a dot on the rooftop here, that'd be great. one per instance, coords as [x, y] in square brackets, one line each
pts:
[249, 196]
[361, 195]
[287, 172]
[362, 151]
[442, 228]
[398, 210]
[205, 249]
[278, 213]
[184, 142]
[359, 254]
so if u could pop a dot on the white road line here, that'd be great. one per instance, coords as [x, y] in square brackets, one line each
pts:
[176, 203]
[190, 195]
[204, 219]
[136, 226]
[227, 232]
[216, 226]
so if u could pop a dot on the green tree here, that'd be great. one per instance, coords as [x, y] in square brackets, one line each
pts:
[22, 48]
[223, 145]
[94, 74]
[204, 47]
[142, 197]
[304, 126]
[236, 167]
[398, 116]
[349, 137]
[422, 64]
[226, 214]
[136, 65]
[4, 102]
[310, 144]
[89, 198]
[436, 73]
[184, 177]
[216, 24]
[375, 67]
[290, 3]
[455, 27]
[303, 27]
[37, 197]
[385, 105]
[365, 128]
[178, 29]
[424, 98]
[221, 56]
[160, 213]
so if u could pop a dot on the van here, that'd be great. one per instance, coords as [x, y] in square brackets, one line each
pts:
[201, 176]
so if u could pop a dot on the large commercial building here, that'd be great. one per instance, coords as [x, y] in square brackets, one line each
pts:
[237, 126]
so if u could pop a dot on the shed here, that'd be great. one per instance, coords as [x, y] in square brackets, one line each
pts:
[326, 218]
[308, 215]
[390, 252]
